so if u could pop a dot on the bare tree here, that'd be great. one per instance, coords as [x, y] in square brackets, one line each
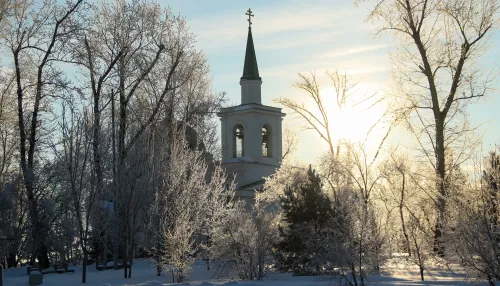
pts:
[159, 77]
[421, 244]
[189, 196]
[76, 154]
[355, 243]
[196, 105]
[317, 119]
[365, 174]
[290, 143]
[36, 35]
[99, 62]
[399, 190]
[435, 73]
[233, 242]
[319, 122]
[7, 125]
[476, 232]
[144, 53]
[5, 6]
[287, 175]
[244, 238]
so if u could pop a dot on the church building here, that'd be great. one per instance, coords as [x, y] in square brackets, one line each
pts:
[251, 132]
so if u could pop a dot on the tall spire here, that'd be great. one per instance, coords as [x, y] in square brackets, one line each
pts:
[250, 69]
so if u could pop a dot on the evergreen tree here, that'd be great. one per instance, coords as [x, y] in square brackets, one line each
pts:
[306, 214]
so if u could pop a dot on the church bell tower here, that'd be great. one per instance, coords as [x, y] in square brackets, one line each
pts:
[251, 132]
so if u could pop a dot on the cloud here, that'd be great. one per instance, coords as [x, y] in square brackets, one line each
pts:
[352, 67]
[293, 41]
[353, 50]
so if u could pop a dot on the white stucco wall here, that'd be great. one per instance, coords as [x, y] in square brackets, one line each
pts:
[250, 169]
[252, 117]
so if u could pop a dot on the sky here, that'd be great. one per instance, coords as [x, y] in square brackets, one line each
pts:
[292, 37]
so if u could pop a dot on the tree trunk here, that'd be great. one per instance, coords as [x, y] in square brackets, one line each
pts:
[105, 249]
[491, 282]
[124, 251]
[420, 259]
[439, 247]
[260, 273]
[158, 266]
[353, 273]
[11, 260]
[122, 117]
[84, 266]
[42, 256]
[96, 128]
[130, 255]
[39, 249]
[407, 239]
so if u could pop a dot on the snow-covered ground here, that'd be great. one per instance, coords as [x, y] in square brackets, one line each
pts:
[144, 274]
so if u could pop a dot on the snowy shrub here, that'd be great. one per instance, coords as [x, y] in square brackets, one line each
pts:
[243, 238]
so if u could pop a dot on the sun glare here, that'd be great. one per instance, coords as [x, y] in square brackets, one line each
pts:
[353, 121]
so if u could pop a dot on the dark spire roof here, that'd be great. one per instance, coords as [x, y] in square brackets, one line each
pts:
[250, 69]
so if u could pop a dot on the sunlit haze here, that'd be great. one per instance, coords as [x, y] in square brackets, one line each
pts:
[356, 119]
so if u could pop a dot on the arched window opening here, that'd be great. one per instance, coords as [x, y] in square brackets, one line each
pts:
[266, 142]
[238, 141]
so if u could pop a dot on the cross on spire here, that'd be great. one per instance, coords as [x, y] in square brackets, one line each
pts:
[250, 15]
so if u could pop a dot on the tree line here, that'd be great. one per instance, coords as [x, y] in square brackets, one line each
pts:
[101, 104]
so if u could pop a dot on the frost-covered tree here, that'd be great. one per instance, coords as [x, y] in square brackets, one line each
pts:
[8, 125]
[289, 174]
[34, 38]
[243, 238]
[76, 176]
[420, 236]
[188, 195]
[475, 235]
[141, 69]
[436, 76]
[356, 245]
[233, 242]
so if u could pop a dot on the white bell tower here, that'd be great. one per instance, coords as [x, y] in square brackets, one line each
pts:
[251, 132]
